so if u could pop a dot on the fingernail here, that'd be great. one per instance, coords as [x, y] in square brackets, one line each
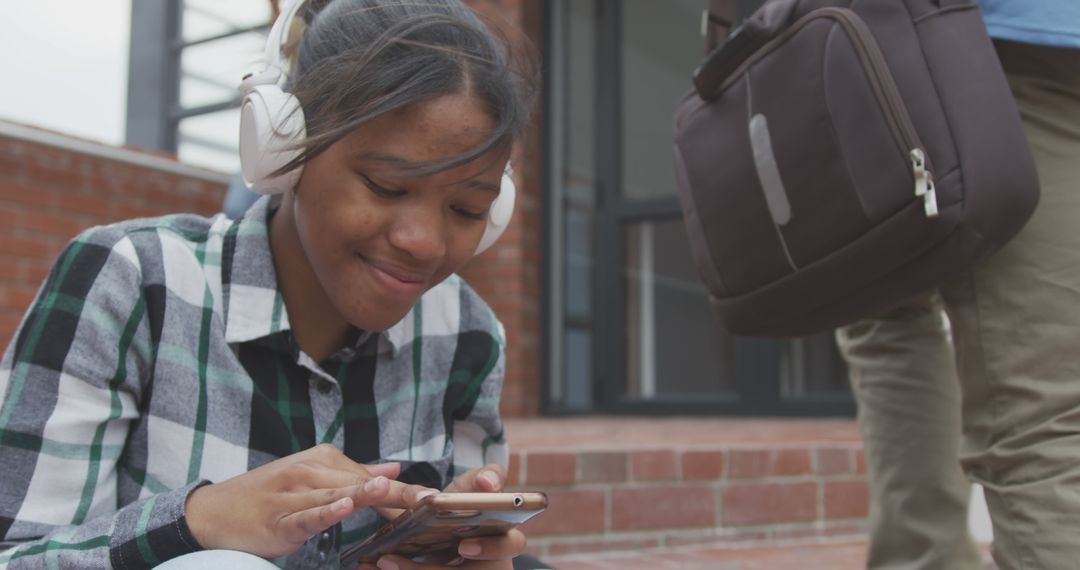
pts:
[340, 505]
[426, 493]
[491, 477]
[469, 549]
[387, 564]
[375, 483]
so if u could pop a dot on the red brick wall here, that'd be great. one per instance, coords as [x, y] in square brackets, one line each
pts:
[644, 497]
[509, 275]
[50, 194]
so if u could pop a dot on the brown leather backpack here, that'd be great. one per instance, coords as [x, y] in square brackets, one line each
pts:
[838, 157]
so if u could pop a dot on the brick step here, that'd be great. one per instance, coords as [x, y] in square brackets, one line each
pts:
[825, 555]
[628, 484]
[842, 555]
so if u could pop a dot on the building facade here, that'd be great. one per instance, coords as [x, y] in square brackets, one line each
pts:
[594, 281]
[604, 314]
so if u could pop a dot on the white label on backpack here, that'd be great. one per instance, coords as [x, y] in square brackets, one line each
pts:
[768, 172]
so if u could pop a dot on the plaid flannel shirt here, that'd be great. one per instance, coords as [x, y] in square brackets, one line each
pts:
[158, 356]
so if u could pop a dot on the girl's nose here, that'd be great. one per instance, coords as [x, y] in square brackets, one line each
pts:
[421, 233]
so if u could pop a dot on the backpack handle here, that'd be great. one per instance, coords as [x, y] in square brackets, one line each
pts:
[716, 21]
[772, 18]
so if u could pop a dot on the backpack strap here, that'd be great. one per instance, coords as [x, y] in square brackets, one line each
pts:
[716, 22]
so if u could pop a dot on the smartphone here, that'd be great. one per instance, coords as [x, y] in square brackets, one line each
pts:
[431, 531]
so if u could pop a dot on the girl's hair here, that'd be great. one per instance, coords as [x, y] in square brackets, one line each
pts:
[360, 59]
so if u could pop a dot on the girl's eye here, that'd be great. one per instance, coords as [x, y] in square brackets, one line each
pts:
[471, 214]
[379, 190]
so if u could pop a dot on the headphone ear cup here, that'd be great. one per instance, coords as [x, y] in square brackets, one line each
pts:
[270, 121]
[502, 209]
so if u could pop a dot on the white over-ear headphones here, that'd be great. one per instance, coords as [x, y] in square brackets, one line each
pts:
[271, 120]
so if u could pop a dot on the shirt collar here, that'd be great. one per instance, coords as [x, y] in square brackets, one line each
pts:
[253, 303]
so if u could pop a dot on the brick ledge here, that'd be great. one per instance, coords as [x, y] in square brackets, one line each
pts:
[624, 484]
[611, 433]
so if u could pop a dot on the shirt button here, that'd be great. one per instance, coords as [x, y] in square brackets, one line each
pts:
[325, 541]
[324, 386]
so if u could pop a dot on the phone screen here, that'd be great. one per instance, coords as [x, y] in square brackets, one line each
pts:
[432, 531]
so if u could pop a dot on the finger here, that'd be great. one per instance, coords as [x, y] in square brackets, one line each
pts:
[329, 506]
[312, 475]
[299, 526]
[364, 494]
[406, 495]
[388, 470]
[399, 563]
[487, 479]
[410, 496]
[388, 513]
[333, 457]
[490, 549]
[493, 547]
[400, 495]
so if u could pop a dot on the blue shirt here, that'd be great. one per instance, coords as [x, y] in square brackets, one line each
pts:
[1043, 22]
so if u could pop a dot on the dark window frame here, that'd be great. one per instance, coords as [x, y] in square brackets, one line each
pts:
[154, 111]
[757, 374]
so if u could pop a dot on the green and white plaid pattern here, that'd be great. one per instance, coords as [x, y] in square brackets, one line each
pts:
[158, 356]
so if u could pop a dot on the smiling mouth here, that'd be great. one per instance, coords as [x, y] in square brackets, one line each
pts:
[398, 281]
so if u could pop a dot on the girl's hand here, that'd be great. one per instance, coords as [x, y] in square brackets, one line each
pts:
[487, 479]
[481, 553]
[399, 563]
[272, 510]
[486, 553]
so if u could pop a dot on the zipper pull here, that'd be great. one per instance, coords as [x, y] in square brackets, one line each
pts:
[930, 198]
[924, 183]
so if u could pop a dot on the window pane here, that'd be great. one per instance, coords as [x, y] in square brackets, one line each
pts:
[660, 48]
[211, 72]
[211, 140]
[812, 366]
[578, 176]
[579, 267]
[574, 190]
[673, 343]
[578, 61]
[577, 352]
[207, 18]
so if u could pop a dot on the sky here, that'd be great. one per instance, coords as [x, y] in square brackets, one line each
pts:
[65, 68]
[64, 65]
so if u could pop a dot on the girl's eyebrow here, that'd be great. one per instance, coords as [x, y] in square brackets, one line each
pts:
[390, 159]
[481, 185]
[398, 162]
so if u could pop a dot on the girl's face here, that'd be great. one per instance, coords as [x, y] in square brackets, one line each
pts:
[376, 238]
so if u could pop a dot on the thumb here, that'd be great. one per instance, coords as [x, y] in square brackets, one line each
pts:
[487, 479]
[388, 470]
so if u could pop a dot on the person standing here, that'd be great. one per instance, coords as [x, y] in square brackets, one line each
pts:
[1015, 317]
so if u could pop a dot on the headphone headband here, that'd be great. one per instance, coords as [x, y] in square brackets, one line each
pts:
[274, 72]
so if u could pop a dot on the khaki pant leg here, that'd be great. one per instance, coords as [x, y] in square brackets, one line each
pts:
[1016, 321]
[904, 379]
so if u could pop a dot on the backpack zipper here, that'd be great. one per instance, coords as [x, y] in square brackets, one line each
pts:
[888, 94]
[883, 85]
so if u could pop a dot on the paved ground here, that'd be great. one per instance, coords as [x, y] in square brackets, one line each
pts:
[839, 556]
[848, 555]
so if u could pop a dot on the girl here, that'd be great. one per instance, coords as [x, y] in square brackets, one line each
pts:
[182, 383]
